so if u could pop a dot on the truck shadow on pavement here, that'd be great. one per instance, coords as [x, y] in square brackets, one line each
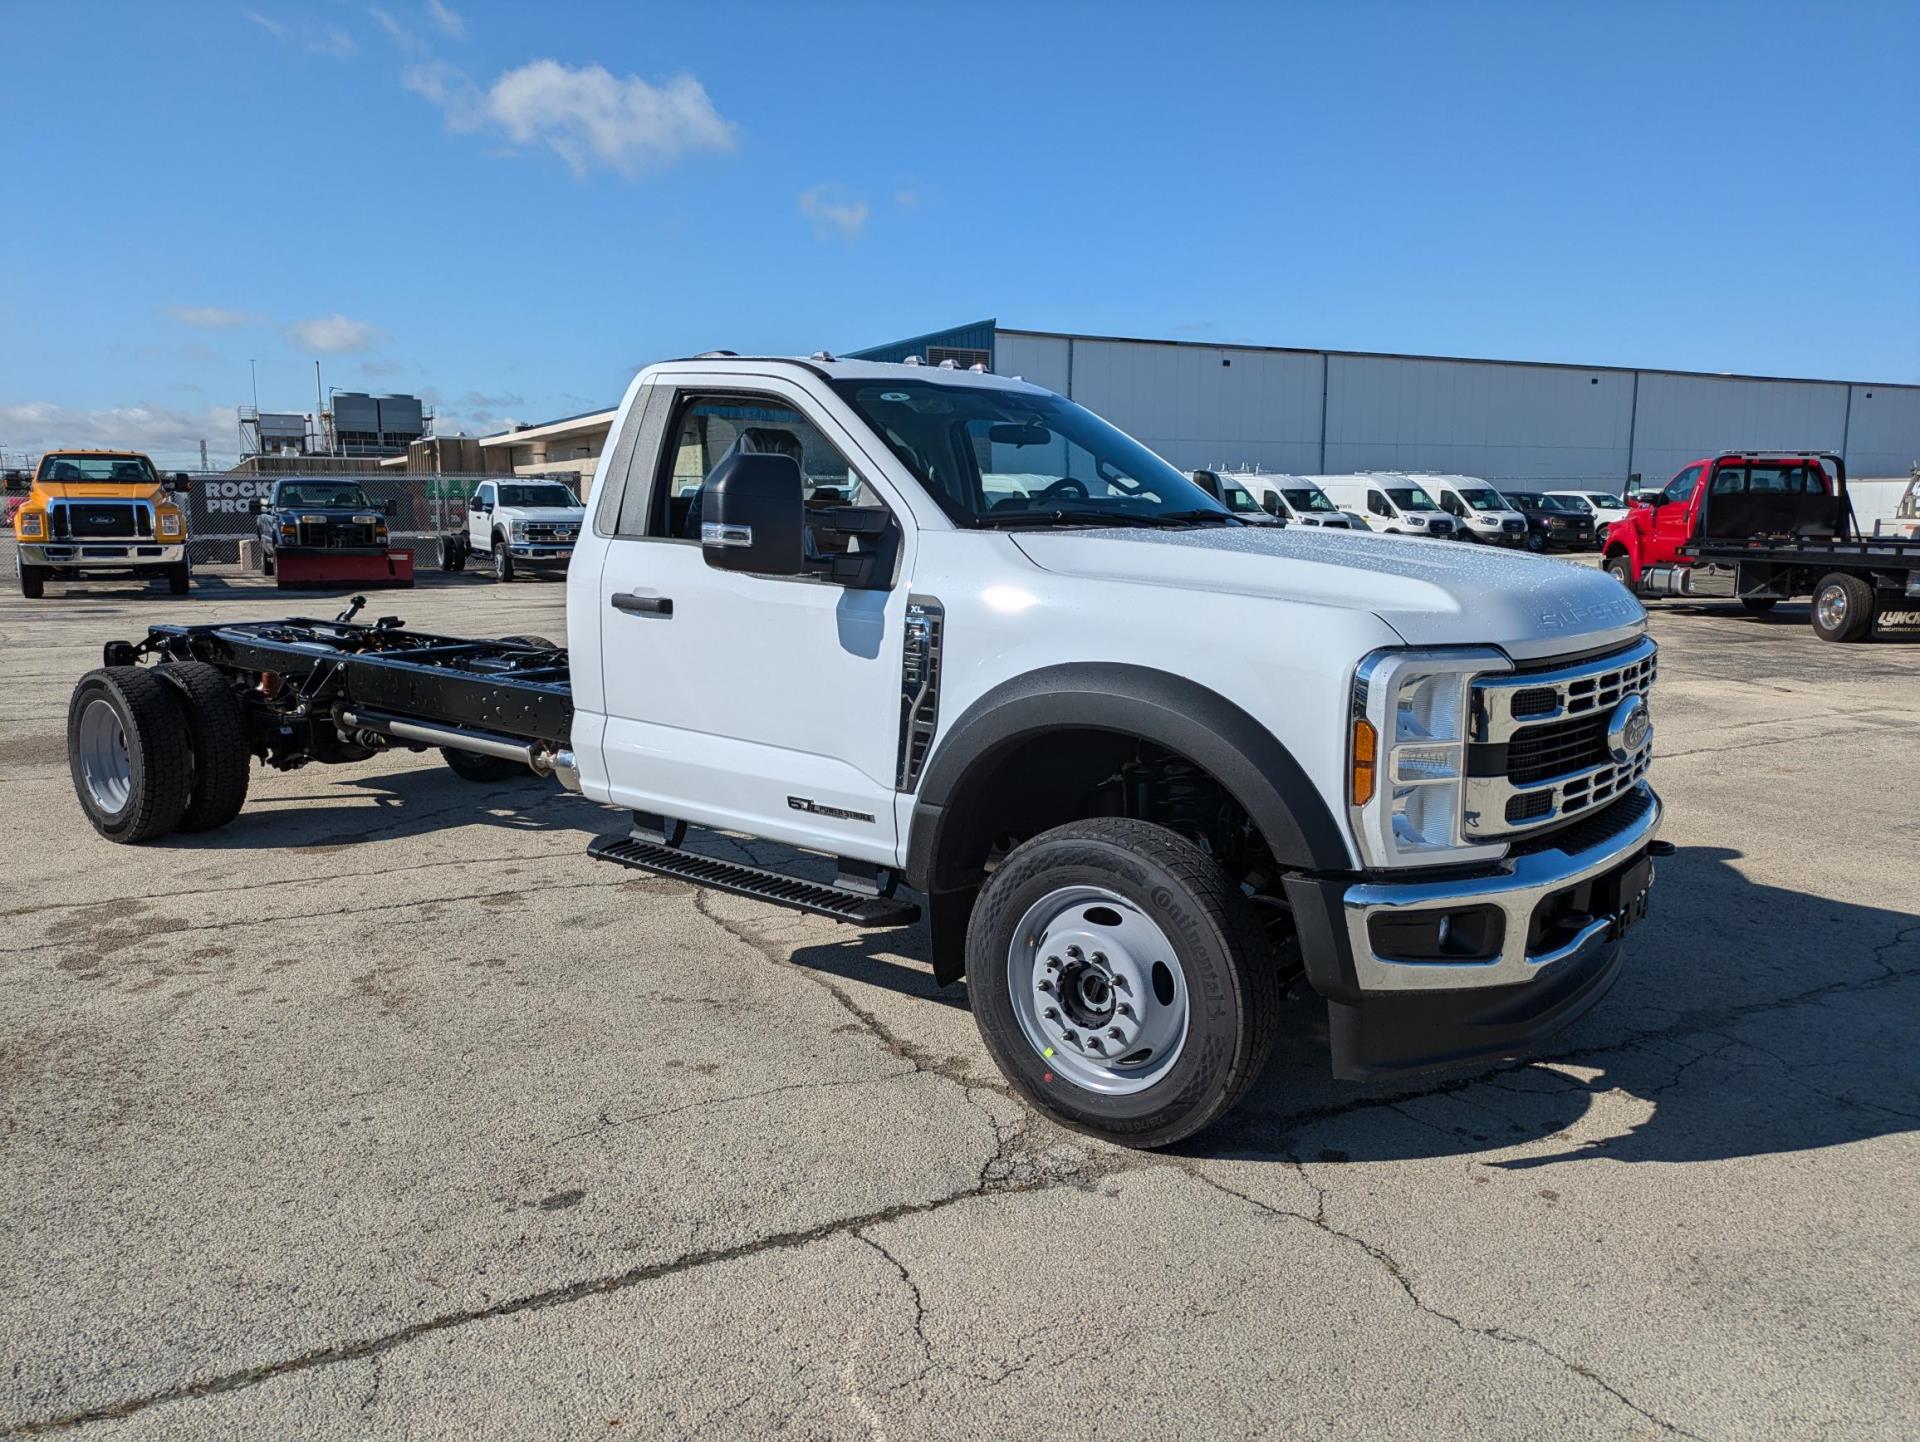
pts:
[1750, 1020]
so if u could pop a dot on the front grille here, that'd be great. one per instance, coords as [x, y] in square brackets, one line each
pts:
[1513, 528]
[1538, 754]
[547, 532]
[324, 533]
[85, 520]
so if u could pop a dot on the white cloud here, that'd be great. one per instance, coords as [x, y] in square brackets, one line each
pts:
[585, 115]
[450, 20]
[331, 41]
[480, 401]
[212, 317]
[376, 368]
[399, 34]
[171, 437]
[333, 335]
[832, 210]
[272, 27]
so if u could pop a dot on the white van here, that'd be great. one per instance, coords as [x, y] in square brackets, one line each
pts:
[1480, 513]
[1389, 502]
[1294, 499]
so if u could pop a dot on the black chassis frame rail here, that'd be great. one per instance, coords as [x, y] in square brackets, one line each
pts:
[500, 688]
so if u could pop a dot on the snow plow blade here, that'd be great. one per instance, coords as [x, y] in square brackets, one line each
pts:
[345, 568]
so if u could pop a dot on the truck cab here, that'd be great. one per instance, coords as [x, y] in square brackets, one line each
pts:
[519, 525]
[98, 514]
[1767, 491]
[1146, 765]
[306, 516]
[1391, 503]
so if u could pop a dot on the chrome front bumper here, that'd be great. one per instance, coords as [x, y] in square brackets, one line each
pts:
[541, 551]
[101, 555]
[1527, 881]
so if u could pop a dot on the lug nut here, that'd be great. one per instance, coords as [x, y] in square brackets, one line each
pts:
[1075, 953]
[1053, 963]
[1115, 1033]
[1099, 958]
[1096, 1043]
[1119, 982]
[1071, 1035]
[1053, 1013]
[1046, 986]
[1125, 1010]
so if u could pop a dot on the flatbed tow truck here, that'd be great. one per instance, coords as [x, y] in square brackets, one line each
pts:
[805, 608]
[1764, 527]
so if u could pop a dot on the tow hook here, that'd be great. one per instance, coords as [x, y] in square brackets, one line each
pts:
[1661, 848]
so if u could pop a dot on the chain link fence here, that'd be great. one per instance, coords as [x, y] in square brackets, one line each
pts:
[221, 519]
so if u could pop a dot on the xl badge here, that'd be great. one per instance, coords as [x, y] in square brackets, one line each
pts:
[1629, 728]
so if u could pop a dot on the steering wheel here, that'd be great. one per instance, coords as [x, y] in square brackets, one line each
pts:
[1065, 486]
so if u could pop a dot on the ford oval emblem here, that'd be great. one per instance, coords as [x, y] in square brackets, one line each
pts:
[1629, 728]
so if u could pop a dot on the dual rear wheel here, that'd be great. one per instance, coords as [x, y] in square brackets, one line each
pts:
[154, 750]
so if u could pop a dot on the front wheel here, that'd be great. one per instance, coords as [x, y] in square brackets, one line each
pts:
[1600, 537]
[453, 553]
[1620, 567]
[33, 581]
[1843, 608]
[1121, 982]
[179, 579]
[502, 562]
[1536, 542]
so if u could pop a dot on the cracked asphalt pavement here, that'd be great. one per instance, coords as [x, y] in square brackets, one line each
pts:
[384, 1111]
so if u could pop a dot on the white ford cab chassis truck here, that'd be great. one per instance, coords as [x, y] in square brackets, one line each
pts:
[797, 611]
[519, 525]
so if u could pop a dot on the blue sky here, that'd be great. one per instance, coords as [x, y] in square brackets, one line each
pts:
[507, 208]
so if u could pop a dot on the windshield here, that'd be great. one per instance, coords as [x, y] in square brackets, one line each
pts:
[1603, 502]
[1576, 503]
[1528, 500]
[323, 493]
[120, 470]
[547, 493]
[1238, 498]
[995, 457]
[1482, 498]
[1411, 498]
[1308, 498]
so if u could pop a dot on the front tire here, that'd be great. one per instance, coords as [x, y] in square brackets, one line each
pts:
[33, 581]
[1620, 567]
[1536, 542]
[502, 561]
[179, 579]
[453, 553]
[1843, 608]
[1120, 981]
[129, 753]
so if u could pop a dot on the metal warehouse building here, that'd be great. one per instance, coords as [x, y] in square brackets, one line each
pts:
[1318, 412]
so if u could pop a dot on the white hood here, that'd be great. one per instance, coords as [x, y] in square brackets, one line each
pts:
[556, 515]
[1432, 593]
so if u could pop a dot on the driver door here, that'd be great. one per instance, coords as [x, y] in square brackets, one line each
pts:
[480, 516]
[763, 704]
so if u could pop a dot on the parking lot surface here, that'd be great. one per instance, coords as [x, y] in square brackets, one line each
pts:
[385, 1111]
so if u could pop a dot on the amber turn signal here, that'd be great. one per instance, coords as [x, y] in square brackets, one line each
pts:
[1365, 747]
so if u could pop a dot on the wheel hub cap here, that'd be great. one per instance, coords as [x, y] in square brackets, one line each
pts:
[1098, 990]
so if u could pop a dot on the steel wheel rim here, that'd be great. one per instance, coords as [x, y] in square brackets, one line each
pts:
[102, 749]
[1098, 990]
[1833, 607]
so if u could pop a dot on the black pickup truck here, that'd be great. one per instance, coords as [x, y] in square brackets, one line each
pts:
[319, 531]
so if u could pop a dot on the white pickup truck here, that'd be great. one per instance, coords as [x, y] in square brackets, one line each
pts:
[527, 525]
[798, 613]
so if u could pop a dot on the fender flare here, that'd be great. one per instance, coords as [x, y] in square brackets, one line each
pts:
[1157, 706]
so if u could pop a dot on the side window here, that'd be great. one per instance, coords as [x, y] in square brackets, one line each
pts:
[1680, 488]
[1377, 503]
[710, 428]
[1450, 503]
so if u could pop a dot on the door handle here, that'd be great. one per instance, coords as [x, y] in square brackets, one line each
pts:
[643, 605]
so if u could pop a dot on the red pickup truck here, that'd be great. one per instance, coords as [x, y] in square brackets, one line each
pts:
[1763, 527]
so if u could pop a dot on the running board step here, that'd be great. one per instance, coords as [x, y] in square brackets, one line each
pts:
[859, 908]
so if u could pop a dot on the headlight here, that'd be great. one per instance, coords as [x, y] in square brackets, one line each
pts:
[31, 523]
[170, 527]
[518, 529]
[1408, 755]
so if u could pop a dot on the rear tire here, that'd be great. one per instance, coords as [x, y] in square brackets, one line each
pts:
[502, 561]
[179, 579]
[1122, 899]
[1759, 605]
[217, 728]
[129, 753]
[33, 581]
[472, 766]
[1843, 608]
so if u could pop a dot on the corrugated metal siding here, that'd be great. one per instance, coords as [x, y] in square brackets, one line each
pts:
[1682, 418]
[1043, 359]
[1200, 406]
[1883, 432]
[1477, 419]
